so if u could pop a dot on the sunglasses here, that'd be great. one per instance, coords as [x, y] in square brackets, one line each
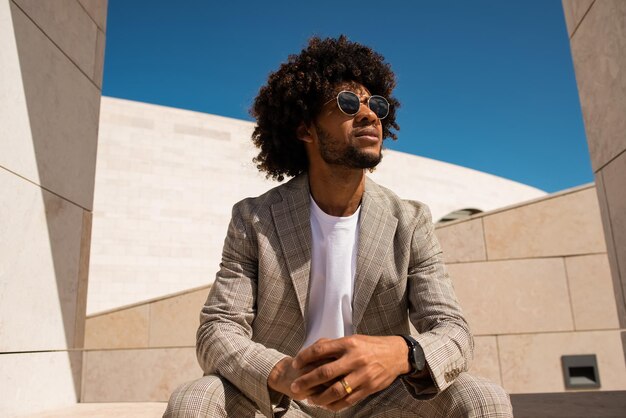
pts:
[349, 103]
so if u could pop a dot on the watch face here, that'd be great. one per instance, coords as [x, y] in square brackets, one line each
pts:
[420, 361]
[418, 358]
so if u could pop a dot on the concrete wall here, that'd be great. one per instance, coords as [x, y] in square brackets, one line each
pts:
[166, 181]
[597, 32]
[533, 280]
[51, 56]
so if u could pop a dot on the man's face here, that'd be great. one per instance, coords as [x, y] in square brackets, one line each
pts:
[349, 141]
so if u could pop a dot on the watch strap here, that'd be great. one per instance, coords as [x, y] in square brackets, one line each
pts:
[417, 360]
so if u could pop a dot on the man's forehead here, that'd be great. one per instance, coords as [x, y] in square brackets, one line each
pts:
[353, 86]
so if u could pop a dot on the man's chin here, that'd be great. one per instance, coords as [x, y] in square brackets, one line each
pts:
[355, 158]
[367, 161]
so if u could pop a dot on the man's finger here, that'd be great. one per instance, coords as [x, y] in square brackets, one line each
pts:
[332, 394]
[318, 351]
[337, 397]
[348, 401]
[326, 374]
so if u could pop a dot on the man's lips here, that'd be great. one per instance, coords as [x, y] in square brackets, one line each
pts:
[367, 134]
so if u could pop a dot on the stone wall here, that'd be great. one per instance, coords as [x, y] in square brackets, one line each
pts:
[597, 32]
[535, 284]
[51, 58]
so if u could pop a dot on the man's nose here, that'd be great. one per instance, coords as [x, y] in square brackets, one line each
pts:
[365, 114]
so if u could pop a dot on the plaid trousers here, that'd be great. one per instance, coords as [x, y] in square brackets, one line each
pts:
[469, 396]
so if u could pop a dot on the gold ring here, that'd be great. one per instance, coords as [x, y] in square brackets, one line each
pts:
[346, 386]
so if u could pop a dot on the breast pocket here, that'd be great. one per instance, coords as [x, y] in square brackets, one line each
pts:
[389, 310]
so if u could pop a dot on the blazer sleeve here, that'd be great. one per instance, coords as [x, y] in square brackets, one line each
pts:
[435, 312]
[224, 343]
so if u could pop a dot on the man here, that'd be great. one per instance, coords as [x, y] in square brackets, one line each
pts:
[309, 312]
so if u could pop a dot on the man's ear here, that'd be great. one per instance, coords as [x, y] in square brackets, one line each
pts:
[304, 133]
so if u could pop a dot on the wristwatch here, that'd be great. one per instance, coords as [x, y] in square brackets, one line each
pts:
[417, 360]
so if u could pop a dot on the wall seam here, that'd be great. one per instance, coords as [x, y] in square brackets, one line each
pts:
[499, 360]
[83, 376]
[610, 161]
[545, 257]
[89, 15]
[581, 19]
[149, 325]
[46, 189]
[569, 295]
[57, 46]
[95, 58]
[482, 224]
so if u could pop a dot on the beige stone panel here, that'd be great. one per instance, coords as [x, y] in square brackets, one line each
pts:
[618, 286]
[57, 147]
[13, 109]
[591, 290]
[69, 26]
[514, 296]
[34, 382]
[485, 362]
[144, 375]
[531, 363]
[550, 227]
[127, 328]
[97, 10]
[599, 60]
[614, 176]
[174, 321]
[463, 241]
[39, 267]
[574, 11]
[161, 219]
[108, 410]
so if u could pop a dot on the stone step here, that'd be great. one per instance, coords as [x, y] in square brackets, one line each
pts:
[107, 410]
[536, 405]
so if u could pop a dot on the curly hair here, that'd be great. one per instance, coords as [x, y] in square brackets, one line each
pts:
[296, 92]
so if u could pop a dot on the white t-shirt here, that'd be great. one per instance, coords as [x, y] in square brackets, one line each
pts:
[333, 267]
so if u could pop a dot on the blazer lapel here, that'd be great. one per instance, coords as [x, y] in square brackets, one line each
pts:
[376, 231]
[292, 220]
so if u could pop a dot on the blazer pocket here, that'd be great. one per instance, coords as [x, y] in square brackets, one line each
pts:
[390, 307]
[394, 294]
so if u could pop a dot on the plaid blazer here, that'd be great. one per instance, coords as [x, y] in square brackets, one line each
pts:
[256, 309]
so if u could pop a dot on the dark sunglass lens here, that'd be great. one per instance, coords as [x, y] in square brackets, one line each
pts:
[348, 102]
[380, 106]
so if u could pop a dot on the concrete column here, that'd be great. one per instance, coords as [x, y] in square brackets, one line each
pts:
[51, 59]
[597, 33]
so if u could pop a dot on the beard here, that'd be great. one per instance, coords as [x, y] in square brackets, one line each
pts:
[350, 156]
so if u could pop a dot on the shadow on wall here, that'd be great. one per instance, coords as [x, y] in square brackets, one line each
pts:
[63, 111]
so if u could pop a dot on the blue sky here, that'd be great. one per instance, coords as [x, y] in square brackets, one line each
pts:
[488, 85]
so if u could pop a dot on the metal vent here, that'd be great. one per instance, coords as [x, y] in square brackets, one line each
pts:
[580, 371]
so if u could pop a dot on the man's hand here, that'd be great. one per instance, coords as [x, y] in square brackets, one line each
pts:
[367, 364]
[283, 375]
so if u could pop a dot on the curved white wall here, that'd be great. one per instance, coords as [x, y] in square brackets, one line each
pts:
[166, 180]
[447, 187]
